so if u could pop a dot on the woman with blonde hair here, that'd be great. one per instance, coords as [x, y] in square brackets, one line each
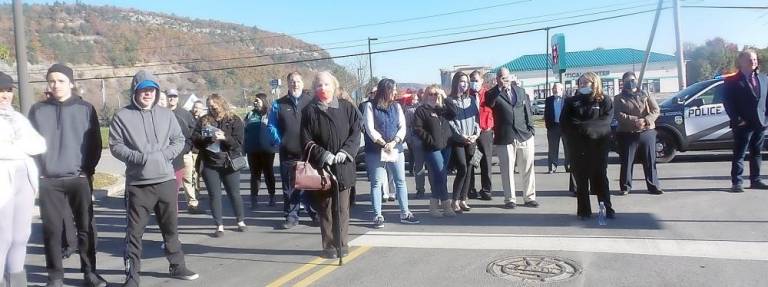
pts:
[431, 124]
[219, 136]
[330, 131]
[586, 120]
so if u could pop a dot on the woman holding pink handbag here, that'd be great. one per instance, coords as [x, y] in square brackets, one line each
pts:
[331, 127]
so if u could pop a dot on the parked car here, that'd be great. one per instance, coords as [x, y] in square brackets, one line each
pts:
[693, 119]
[538, 107]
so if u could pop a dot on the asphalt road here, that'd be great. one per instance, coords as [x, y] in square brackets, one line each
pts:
[696, 234]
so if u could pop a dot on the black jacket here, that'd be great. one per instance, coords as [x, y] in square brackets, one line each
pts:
[432, 126]
[232, 145]
[511, 122]
[549, 112]
[285, 117]
[72, 135]
[585, 117]
[333, 129]
[741, 103]
[187, 124]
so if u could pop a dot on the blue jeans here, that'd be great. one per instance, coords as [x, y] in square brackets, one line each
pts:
[747, 139]
[437, 164]
[295, 197]
[377, 172]
[417, 159]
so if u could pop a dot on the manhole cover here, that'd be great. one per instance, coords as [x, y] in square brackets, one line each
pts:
[534, 268]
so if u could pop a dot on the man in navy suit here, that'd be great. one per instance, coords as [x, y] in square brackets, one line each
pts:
[745, 102]
[553, 105]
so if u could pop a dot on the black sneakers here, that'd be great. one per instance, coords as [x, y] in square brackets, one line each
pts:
[758, 185]
[182, 273]
[510, 205]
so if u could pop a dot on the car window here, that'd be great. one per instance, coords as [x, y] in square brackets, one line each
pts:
[689, 92]
[711, 96]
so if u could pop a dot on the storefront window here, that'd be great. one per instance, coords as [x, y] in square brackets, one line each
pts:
[652, 85]
[608, 87]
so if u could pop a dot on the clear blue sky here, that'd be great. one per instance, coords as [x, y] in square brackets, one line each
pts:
[744, 27]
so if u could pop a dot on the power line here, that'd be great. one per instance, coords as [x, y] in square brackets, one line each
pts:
[394, 36]
[333, 29]
[389, 50]
[725, 7]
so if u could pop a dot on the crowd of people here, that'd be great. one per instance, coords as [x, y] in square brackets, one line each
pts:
[54, 151]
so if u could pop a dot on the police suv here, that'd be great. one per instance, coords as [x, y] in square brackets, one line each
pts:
[693, 119]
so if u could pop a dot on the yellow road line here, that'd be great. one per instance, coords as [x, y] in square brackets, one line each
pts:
[295, 273]
[328, 269]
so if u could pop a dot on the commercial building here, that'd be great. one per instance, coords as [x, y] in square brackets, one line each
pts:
[610, 64]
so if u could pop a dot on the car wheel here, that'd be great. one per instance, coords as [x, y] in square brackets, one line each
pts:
[666, 147]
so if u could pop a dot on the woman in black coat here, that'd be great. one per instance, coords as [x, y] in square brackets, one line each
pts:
[219, 136]
[330, 127]
[586, 121]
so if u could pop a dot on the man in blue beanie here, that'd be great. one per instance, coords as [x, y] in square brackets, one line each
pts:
[147, 138]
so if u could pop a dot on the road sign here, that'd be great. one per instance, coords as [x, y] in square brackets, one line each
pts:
[559, 61]
[274, 83]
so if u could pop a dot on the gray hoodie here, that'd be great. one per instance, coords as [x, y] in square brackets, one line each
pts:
[147, 140]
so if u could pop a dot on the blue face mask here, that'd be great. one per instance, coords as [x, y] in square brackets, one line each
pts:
[475, 86]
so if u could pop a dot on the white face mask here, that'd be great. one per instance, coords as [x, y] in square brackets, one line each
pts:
[585, 90]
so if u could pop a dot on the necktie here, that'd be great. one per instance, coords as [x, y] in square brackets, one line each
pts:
[755, 87]
[512, 96]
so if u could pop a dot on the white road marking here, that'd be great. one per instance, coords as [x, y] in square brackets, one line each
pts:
[719, 249]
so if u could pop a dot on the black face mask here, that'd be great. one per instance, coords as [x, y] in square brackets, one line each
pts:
[630, 85]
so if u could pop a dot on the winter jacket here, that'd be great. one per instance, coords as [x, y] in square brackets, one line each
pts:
[187, 124]
[145, 139]
[584, 117]
[431, 125]
[332, 129]
[231, 146]
[629, 107]
[19, 141]
[284, 119]
[71, 131]
[257, 135]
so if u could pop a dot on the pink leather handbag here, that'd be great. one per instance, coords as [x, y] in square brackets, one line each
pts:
[308, 178]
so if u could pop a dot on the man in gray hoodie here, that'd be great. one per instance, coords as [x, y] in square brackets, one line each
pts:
[147, 138]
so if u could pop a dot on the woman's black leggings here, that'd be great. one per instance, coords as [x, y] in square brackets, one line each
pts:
[461, 156]
[213, 178]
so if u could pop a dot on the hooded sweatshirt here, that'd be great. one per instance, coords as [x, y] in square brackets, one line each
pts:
[146, 139]
[71, 132]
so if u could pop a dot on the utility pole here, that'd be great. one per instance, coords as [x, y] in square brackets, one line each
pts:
[546, 85]
[370, 61]
[650, 44]
[25, 96]
[681, 81]
[103, 95]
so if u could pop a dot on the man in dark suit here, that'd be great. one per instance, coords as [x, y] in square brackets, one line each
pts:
[513, 137]
[745, 102]
[553, 105]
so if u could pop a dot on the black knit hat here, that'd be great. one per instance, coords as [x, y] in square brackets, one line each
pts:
[61, 68]
[6, 82]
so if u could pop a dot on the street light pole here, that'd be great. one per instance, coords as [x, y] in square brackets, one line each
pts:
[370, 61]
[25, 96]
[681, 80]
